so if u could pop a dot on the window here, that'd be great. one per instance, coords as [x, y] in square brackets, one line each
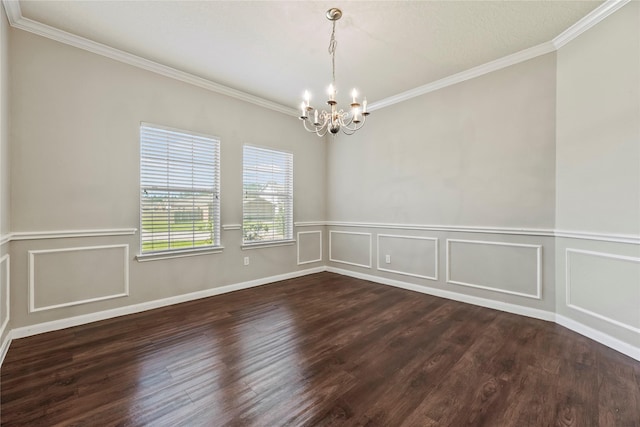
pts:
[179, 186]
[267, 206]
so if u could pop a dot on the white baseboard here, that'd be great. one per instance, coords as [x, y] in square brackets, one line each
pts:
[55, 325]
[601, 337]
[5, 347]
[483, 302]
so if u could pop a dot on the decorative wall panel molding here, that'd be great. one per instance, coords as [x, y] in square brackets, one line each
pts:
[364, 238]
[84, 277]
[484, 261]
[622, 293]
[307, 235]
[411, 247]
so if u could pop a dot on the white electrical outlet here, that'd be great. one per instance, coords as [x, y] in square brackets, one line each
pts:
[387, 259]
[246, 260]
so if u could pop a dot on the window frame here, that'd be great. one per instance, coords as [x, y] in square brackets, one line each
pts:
[183, 136]
[288, 238]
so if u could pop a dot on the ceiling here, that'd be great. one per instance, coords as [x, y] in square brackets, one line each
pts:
[277, 49]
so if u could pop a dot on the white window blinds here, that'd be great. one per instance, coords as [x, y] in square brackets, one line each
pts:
[179, 190]
[267, 206]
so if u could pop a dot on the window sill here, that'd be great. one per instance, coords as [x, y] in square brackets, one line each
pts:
[178, 254]
[249, 246]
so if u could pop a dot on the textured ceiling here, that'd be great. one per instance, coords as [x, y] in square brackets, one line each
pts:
[276, 50]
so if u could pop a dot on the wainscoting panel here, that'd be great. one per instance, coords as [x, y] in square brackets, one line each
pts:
[408, 255]
[604, 285]
[510, 268]
[5, 277]
[352, 248]
[309, 247]
[72, 276]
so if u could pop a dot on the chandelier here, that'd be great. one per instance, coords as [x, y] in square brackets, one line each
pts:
[336, 119]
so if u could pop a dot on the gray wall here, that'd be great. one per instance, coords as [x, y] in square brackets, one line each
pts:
[479, 155]
[598, 175]
[75, 164]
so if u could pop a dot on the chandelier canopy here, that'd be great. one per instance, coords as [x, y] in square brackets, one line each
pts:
[336, 119]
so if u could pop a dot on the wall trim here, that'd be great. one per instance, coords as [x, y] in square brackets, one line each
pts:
[7, 295]
[227, 227]
[310, 223]
[298, 248]
[572, 234]
[538, 248]
[598, 336]
[64, 234]
[454, 228]
[456, 296]
[347, 262]
[32, 258]
[4, 347]
[436, 240]
[14, 15]
[633, 239]
[471, 73]
[5, 238]
[595, 16]
[568, 303]
[55, 325]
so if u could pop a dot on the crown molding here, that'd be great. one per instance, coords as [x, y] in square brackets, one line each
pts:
[14, 15]
[12, 8]
[595, 16]
[480, 70]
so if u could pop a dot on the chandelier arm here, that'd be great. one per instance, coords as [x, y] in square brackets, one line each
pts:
[356, 126]
[314, 129]
[318, 130]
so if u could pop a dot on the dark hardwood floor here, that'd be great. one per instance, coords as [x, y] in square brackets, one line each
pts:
[316, 351]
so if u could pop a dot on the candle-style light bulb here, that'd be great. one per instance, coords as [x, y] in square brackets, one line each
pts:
[356, 111]
[354, 94]
[303, 107]
[307, 97]
[364, 106]
[332, 92]
[315, 121]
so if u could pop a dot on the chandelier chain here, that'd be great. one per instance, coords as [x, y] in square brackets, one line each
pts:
[332, 51]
